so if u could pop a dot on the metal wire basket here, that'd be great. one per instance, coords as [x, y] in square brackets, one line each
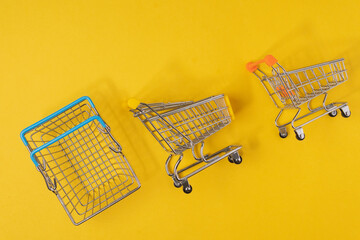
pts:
[80, 160]
[291, 89]
[183, 125]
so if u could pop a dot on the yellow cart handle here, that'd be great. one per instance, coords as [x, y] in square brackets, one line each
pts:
[231, 112]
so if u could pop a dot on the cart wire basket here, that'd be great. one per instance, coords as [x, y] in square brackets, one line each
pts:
[184, 125]
[291, 89]
[80, 160]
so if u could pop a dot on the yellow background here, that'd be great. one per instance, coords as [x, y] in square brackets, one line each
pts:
[52, 52]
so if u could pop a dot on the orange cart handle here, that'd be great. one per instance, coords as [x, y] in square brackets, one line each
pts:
[253, 66]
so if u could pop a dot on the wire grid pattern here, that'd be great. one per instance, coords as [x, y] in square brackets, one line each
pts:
[296, 87]
[161, 107]
[59, 124]
[89, 175]
[180, 129]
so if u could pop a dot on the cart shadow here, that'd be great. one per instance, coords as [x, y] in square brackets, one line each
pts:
[176, 82]
[111, 105]
[297, 47]
[144, 154]
[351, 54]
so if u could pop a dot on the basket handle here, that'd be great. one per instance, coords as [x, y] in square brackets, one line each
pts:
[269, 60]
[56, 139]
[23, 132]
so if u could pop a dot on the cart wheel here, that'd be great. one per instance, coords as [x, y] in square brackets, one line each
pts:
[333, 113]
[300, 137]
[187, 189]
[177, 184]
[345, 114]
[283, 135]
[235, 158]
[282, 132]
[238, 160]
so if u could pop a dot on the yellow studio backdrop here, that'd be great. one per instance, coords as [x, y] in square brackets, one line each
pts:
[52, 52]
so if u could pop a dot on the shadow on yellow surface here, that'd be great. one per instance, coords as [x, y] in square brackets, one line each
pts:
[157, 51]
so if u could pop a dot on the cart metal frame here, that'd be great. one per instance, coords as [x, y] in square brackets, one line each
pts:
[184, 125]
[291, 89]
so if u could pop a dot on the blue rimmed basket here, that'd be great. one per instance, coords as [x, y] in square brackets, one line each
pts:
[80, 160]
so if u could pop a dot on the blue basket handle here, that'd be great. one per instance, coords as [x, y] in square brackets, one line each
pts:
[32, 155]
[23, 132]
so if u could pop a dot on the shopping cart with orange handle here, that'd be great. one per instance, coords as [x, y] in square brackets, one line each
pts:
[291, 89]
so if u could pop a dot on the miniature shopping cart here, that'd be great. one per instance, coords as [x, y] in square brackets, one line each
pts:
[291, 89]
[80, 160]
[183, 125]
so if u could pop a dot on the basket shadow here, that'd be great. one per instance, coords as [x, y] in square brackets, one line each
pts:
[111, 105]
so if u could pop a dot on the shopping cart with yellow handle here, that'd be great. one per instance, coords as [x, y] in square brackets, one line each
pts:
[184, 125]
[291, 89]
[81, 162]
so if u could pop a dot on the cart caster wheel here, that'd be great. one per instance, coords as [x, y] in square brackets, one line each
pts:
[235, 158]
[177, 184]
[346, 115]
[238, 160]
[187, 189]
[300, 135]
[333, 113]
[283, 135]
[282, 132]
[345, 112]
[300, 138]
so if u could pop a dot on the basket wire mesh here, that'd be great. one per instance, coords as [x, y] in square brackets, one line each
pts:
[80, 160]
